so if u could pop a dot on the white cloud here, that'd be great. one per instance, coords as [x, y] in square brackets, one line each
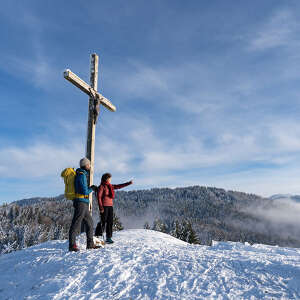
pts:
[37, 70]
[112, 156]
[281, 29]
[284, 211]
[140, 148]
[281, 214]
[286, 135]
[209, 99]
[37, 161]
[36, 67]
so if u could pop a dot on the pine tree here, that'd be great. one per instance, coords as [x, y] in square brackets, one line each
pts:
[117, 225]
[184, 231]
[176, 231]
[147, 226]
[159, 225]
[191, 236]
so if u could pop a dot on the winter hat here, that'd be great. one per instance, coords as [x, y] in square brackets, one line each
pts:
[83, 162]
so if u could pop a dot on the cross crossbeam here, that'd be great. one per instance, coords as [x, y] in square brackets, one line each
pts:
[95, 99]
[86, 88]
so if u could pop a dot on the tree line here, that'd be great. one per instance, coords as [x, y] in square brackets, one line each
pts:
[194, 214]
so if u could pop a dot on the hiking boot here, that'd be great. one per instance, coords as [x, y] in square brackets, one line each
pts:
[92, 247]
[109, 241]
[73, 248]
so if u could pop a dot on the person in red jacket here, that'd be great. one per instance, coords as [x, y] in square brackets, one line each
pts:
[106, 195]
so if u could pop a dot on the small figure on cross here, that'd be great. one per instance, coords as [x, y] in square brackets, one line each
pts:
[94, 109]
[97, 102]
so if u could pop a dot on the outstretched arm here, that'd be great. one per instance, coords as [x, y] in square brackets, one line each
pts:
[119, 186]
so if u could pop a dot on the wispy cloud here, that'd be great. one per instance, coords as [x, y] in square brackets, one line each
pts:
[39, 160]
[283, 211]
[282, 29]
[211, 111]
[280, 214]
[141, 150]
[33, 63]
[37, 70]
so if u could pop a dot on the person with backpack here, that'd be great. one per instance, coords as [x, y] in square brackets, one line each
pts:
[81, 205]
[106, 195]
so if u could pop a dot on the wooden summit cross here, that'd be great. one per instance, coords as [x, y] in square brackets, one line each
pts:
[94, 108]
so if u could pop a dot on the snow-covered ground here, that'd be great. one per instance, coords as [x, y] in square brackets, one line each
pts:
[144, 264]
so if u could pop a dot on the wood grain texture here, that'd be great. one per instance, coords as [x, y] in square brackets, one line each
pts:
[90, 145]
[91, 91]
[82, 85]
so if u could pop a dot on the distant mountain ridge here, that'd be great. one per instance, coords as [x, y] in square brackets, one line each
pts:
[212, 213]
[35, 200]
[286, 196]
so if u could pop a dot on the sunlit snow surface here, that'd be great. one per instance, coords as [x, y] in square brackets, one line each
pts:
[144, 264]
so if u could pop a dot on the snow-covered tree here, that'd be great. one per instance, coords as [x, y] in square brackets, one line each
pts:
[159, 225]
[147, 226]
[117, 225]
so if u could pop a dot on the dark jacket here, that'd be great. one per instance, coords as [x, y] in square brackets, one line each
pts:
[81, 185]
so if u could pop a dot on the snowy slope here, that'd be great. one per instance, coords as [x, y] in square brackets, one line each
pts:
[144, 264]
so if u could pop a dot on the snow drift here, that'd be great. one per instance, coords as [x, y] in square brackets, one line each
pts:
[144, 264]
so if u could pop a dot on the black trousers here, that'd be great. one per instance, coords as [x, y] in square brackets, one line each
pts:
[106, 222]
[81, 214]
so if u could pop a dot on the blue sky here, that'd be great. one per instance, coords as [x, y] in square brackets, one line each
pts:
[207, 93]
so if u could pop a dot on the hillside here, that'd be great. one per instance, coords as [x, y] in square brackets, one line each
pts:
[215, 214]
[144, 264]
[211, 213]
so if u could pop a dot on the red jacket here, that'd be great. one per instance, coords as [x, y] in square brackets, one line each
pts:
[106, 193]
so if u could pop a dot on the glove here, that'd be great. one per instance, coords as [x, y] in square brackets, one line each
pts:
[94, 188]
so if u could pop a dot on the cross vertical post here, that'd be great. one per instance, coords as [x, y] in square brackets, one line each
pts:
[95, 99]
[90, 145]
